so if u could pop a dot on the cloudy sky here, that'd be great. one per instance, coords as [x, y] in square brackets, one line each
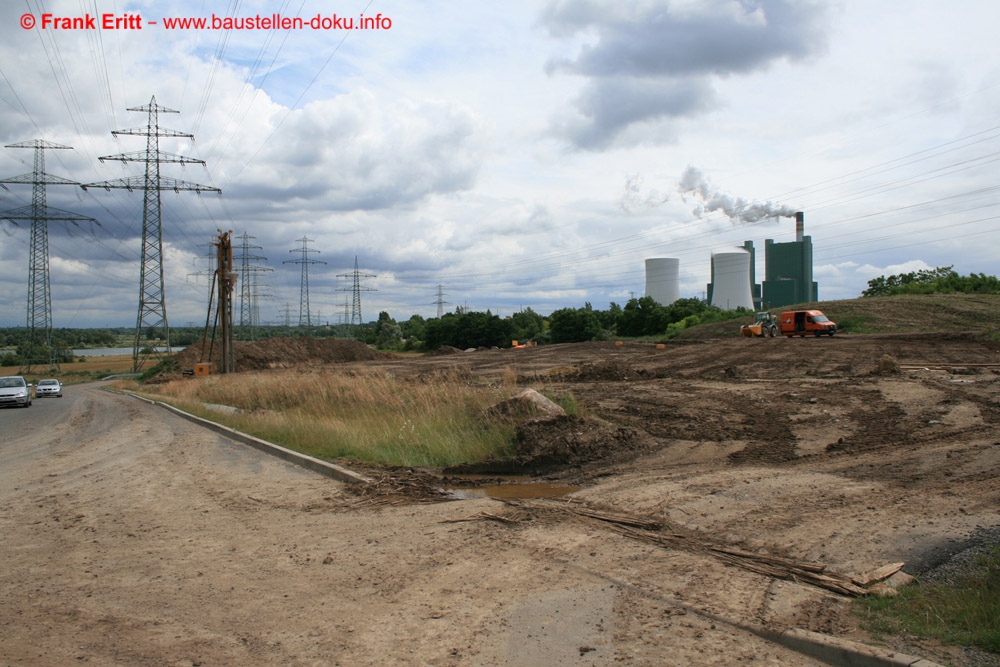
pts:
[515, 154]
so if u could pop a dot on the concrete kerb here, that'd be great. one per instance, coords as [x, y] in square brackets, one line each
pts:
[316, 465]
[846, 653]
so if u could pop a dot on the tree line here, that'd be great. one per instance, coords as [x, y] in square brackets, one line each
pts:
[464, 329]
[941, 280]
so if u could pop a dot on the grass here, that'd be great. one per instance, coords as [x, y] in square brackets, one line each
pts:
[373, 418]
[567, 402]
[964, 612]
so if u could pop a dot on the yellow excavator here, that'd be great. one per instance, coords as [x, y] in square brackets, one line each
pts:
[765, 326]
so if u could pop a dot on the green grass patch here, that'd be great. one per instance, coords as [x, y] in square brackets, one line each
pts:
[964, 612]
[567, 402]
[861, 323]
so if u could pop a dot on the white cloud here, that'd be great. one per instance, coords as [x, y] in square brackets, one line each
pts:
[447, 150]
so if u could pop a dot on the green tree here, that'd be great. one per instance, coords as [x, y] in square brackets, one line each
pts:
[388, 334]
[574, 325]
[914, 282]
[609, 318]
[465, 328]
[682, 308]
[642, 317]
[526, 325]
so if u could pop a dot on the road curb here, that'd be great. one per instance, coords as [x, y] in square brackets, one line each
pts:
[844, 652]
[310, 463]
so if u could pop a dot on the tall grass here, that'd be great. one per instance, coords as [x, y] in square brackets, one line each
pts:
[964, 611]
[372, 418]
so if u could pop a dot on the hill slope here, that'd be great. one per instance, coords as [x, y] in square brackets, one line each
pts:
[911, 313]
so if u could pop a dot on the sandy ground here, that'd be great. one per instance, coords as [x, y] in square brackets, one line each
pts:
[133, 537]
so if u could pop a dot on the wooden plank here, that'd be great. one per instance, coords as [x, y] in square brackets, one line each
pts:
[879, 574]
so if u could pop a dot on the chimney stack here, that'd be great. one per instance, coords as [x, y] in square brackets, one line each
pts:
[800, 223]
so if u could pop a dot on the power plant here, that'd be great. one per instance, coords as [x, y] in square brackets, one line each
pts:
[788, 275]
[731, 279]
[788, 269]
[663, 279]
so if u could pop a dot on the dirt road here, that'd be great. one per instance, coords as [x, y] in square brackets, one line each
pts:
[132, 537]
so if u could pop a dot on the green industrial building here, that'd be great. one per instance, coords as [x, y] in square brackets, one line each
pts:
[788, 271]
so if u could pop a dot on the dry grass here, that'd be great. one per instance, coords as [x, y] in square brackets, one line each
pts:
[371, 417]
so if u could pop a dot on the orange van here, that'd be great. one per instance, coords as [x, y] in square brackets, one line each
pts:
[804, 322]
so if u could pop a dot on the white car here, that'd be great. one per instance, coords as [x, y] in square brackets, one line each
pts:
[50, 387]
[15, 391]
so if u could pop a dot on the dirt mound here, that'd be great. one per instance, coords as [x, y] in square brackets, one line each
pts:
[284, 353]
[444, 349]
[566, 440]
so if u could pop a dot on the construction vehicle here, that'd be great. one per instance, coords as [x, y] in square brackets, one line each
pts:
[765, 326]
[804, 322]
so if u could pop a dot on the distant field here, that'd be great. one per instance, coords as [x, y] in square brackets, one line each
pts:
[91, 368]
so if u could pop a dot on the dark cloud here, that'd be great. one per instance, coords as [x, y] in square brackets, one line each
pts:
[655, 61]
[608, 107]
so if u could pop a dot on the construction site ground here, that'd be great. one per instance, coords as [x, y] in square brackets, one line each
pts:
[134, 537]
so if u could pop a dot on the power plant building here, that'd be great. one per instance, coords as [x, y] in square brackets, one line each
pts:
[731, 285]
[788, 275]
[788, 270]
[663, 280]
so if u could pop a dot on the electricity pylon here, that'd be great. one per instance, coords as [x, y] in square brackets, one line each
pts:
[441, 303]
[210, 271]
[357, 289]
[249, 315]
[286, 314]
[152, 302]
[305, 318]
[39, 342]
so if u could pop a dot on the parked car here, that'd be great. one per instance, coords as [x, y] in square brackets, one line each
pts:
[50, 387]
[15, 391]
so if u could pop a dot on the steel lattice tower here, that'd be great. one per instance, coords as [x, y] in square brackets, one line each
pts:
[152, 302]
[440, 302]
[210, 271]
[357, 289]
[249, 316]
[39, 285]
[305, 316]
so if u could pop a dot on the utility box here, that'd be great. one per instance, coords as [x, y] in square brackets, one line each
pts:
[202, 369]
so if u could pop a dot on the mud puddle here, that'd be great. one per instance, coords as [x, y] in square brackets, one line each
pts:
[506, 487]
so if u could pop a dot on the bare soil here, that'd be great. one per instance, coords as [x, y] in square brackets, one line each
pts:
[132, 537]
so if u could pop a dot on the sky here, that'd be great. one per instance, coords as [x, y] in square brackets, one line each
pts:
[497, 155]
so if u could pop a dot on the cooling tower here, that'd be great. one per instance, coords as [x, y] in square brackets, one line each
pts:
[731, 279]
[663, 280]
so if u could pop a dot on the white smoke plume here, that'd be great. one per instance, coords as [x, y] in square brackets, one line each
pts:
[633, 199]
[737, 209]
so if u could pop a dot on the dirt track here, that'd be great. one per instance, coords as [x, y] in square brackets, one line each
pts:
[135, 538]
